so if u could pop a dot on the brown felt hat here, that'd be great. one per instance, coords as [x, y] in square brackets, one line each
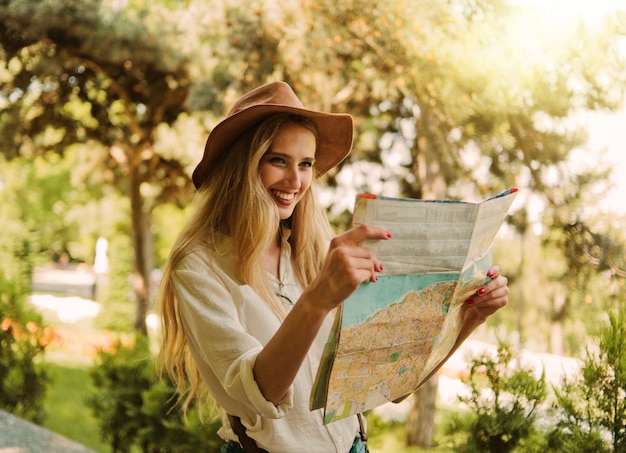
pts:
[334, 130]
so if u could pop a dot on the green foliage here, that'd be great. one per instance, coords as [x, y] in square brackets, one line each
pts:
[502, 405]
[135, 410]
[120, 375]
[18, 244]
[168, 430]
[591, 407]
[52, 215]
[22, 337]
[23, 340]
[588, 414]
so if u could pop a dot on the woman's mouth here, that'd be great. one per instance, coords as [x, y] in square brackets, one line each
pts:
[286, 196]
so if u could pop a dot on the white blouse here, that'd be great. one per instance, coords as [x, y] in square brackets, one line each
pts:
[227, 324]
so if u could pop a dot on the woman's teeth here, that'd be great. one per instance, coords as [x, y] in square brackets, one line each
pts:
[283, 195]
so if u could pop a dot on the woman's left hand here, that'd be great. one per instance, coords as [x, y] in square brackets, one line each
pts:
[490, 297]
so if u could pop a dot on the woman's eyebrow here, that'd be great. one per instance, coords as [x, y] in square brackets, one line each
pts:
[288, 156]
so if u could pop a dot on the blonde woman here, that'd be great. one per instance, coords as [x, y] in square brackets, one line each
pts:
[248, 291]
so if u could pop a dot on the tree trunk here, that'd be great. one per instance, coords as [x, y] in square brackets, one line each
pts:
[556, 331]
[420, 424]
[140, 228]
[429, 172]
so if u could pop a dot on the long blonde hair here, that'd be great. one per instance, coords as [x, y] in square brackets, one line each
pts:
[232, 202]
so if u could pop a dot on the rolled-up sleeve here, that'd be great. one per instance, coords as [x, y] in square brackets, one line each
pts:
[217, 312]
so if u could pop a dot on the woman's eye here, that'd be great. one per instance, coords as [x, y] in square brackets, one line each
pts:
[306, 164]
[277, 160]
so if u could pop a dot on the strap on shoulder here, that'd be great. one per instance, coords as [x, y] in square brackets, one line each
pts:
[247, 443]
[362, 431]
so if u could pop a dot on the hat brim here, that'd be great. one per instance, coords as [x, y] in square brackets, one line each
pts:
[334, 130]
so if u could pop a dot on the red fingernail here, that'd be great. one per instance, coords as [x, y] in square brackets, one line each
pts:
[490, 274]
[470, 301]
[481, 291]
[381, 267]
[388, 235]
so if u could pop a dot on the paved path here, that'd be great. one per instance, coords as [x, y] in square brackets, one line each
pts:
[20, 436]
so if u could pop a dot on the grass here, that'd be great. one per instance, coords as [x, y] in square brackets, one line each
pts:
[66, 407]
[67, 361]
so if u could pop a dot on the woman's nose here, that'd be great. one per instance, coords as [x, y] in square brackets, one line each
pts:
[293, 176]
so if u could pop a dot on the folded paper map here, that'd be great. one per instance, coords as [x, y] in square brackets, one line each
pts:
[390, 335]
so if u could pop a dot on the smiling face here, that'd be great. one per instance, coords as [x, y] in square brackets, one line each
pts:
[286, 169]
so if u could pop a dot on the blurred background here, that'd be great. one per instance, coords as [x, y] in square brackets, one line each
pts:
[104, 109]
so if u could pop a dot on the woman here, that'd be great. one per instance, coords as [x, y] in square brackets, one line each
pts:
[251, 281]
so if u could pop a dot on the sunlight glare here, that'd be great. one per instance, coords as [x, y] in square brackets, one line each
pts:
[593, 13]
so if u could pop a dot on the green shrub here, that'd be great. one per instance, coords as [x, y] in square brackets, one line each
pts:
[168, 431]
[591, 408]
[120, 375]
[503, 405]
[134, 409]
[22, 343]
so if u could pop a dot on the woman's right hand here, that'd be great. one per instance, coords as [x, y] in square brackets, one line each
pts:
[347, 265]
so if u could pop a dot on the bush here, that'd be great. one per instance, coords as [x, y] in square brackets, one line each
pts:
[591, 407]
[22, 343]
[133, 408]
[503, 406]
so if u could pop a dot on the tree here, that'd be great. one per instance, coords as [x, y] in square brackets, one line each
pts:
[76, 72]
